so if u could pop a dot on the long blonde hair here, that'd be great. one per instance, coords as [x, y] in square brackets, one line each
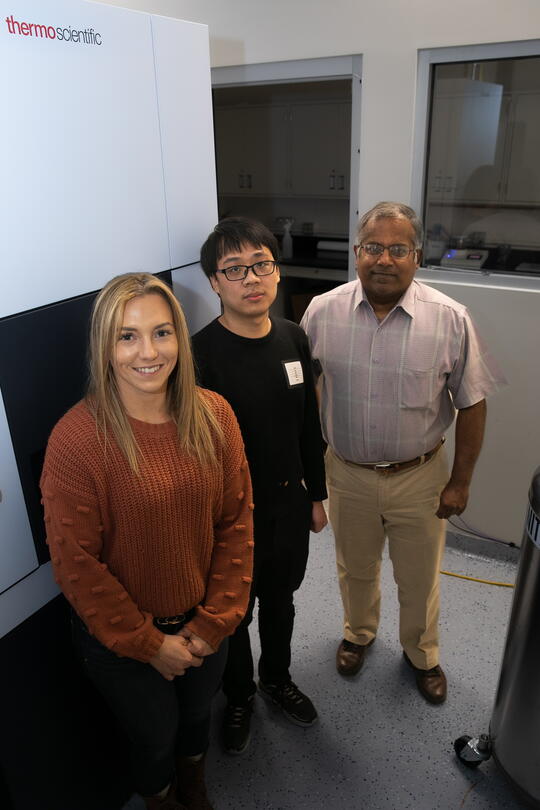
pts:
[196, 423]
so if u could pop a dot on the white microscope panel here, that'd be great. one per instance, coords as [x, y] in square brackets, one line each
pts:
[80, 151]
[185, 113]
[17, 552]
[198, 300]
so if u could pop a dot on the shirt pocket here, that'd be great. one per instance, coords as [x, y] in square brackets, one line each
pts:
[417, 387]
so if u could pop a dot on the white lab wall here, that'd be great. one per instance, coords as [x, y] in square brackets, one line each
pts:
[508, 321]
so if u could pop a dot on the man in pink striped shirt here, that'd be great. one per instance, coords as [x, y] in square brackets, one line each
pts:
[397, 358]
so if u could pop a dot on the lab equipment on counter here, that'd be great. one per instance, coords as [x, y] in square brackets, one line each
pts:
[464, 258]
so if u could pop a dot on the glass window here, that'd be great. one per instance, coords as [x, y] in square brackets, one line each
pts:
[482, 192]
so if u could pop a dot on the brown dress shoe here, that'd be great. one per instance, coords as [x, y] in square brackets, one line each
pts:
[350, 657]
[431, 683]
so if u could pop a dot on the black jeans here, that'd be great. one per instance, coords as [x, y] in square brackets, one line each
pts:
[281, 553]
[161, 718]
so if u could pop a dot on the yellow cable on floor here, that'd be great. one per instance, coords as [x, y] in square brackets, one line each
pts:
[474, 579]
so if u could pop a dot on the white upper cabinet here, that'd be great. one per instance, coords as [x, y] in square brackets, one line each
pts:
[293, 149]
[464, 141]
[253, 149]
[484, 144]
[320, 149]
[522, 183]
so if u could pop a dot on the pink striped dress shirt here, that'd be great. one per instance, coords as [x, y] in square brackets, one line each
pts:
[390, 388]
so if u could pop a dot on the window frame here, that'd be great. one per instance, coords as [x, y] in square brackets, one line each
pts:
[429, 57]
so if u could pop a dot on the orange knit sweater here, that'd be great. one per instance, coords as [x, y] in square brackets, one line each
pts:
[126, 548]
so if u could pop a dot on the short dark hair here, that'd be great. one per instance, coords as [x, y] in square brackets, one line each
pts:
[392, 210]
[231, 234]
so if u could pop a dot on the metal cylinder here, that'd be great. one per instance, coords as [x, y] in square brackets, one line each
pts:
[515, 722]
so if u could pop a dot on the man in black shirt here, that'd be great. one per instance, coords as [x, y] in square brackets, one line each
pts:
[262, 366]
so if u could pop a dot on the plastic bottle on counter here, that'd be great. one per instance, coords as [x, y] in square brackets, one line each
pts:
[286, 242]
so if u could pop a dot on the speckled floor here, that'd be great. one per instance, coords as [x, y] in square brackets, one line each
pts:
[377, 745]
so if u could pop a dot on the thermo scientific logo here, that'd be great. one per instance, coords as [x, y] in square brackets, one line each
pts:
[86, 36]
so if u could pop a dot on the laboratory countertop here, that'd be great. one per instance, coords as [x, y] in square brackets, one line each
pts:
[307, 252]
[309, 271]
[479, 278]
[322, 259]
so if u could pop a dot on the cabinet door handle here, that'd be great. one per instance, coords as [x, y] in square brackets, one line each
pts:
[241, 180]
[341, 185]
[248, 181]
[332, 184]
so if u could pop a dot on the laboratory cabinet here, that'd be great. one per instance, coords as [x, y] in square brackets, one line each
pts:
[464, 139]
[320, 149]
[483, 145]
[295, 149]
[253, 150]
[522, 180]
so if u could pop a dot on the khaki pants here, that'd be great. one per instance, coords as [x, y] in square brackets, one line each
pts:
[367, 506]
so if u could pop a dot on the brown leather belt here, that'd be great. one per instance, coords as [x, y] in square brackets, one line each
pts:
[398, 466]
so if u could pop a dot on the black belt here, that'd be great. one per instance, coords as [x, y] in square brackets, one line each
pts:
[397, 466]
[172, 624]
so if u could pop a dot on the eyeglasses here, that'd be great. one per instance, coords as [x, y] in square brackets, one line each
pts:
[239, 271]
[395, 251]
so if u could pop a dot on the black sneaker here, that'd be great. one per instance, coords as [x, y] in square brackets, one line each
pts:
[236, 727]
[296, 706]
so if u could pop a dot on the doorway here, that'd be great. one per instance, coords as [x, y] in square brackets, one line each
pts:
[287, 153]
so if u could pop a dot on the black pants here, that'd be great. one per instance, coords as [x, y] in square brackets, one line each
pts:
[281, 553]
[161, 718]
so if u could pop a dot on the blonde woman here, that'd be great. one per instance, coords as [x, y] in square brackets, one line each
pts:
[148, 511]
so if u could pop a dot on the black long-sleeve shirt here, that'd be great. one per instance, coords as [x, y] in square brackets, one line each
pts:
[269, 383]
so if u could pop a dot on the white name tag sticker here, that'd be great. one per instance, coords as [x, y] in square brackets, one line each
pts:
[294, 372]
